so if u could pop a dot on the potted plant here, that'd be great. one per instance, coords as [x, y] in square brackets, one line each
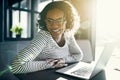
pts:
[17, 30]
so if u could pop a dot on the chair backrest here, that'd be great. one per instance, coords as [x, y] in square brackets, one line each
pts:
[87, 50]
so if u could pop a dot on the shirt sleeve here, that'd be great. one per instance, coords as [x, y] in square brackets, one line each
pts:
[24, 61]
[76, 53]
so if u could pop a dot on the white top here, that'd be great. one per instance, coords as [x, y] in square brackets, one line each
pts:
[32, 58]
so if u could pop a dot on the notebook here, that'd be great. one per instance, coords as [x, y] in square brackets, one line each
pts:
[85, 70]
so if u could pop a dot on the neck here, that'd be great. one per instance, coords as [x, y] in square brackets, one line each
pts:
[58, 38]
[61, 41]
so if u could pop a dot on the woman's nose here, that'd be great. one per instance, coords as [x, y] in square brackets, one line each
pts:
[54, 25]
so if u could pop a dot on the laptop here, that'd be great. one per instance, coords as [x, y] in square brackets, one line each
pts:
[85, 70]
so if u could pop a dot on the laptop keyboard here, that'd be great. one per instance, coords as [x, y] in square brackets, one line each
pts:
[84, 71]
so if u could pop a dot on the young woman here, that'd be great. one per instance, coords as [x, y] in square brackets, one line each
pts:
[54, 45]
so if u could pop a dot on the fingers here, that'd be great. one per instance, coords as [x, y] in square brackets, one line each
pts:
[56, 63]
[60, 65]
[52, 61]
[60, 61]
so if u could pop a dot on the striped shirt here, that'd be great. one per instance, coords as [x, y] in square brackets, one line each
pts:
[33, 57]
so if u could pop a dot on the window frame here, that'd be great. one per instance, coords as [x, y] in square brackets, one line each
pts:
[8, 20]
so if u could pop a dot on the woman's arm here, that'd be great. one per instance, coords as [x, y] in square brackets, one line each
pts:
[23, 63]
[76, 53]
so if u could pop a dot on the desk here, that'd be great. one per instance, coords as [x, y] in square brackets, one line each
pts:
[50, 74]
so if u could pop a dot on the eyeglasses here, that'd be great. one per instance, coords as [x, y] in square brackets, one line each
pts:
[59, 21]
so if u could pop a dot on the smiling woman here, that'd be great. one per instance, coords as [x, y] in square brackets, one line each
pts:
[54, 45]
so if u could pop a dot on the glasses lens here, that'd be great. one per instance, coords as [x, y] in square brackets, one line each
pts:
[58, 21]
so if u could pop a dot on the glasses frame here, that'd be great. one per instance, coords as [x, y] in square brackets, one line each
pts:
[58, 21]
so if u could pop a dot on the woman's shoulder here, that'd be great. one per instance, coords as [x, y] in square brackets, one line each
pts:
[69, 38]
[69, 35]
[43, 33]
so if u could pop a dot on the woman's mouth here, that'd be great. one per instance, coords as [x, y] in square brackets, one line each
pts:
[55, 30]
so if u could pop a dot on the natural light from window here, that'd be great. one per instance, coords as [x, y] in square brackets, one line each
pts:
[21, 20]
[108, 30]
[41, 5]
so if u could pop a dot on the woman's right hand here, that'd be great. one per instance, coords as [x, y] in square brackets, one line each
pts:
[56, 63]
[52, 61]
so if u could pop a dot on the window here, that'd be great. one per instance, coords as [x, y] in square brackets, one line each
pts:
[42, 4]
[20, 13]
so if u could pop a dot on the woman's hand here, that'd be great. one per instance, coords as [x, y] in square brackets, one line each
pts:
[59, 63]
[56, 63]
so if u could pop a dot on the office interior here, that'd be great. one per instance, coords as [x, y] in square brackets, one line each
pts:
[99, 25]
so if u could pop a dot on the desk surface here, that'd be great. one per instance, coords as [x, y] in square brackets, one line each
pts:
[50, 74]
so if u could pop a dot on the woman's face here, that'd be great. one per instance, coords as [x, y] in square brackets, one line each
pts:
[55, 22]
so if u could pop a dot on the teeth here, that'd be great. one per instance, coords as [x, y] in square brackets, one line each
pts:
[56, 30]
